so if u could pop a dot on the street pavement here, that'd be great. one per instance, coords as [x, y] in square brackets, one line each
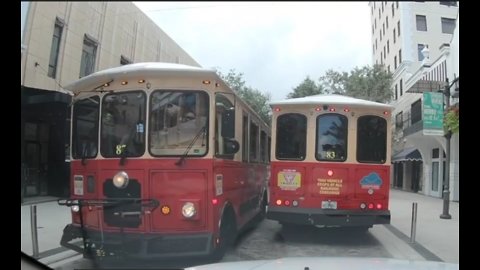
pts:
[436, 239]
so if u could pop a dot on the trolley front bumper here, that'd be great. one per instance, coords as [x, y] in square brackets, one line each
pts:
[322, 217]
[137, 245]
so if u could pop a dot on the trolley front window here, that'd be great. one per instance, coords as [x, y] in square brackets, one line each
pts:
[178, 123]
[332, 132]
[371, 139]
[291, 136]
[85, 128]
[123, 124]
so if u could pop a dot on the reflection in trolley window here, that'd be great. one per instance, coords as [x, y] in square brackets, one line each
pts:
[178, 119]
[332, 131]
[123, 124]
[85, 128]
[291, 136]
[372, 139]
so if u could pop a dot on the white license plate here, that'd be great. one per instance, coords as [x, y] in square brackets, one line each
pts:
[329, 205]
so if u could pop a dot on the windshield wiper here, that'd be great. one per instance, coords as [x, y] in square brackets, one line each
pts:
[182, 158]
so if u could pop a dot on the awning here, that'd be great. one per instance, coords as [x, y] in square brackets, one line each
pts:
[408, 154]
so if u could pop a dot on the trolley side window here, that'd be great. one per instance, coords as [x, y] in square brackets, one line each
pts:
[371, 139]
[85, 127]
[291, 136]
[225, 143]
[332, 133]
[178, 123]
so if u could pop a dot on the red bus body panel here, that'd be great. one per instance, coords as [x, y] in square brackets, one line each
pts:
[311, 183]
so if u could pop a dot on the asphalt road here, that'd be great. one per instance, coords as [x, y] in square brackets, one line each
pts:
[271, 240]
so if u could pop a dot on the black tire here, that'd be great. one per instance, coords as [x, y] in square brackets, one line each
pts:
[228, 233]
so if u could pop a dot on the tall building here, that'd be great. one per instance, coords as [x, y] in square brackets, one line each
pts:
[413, 40]
[62, 42]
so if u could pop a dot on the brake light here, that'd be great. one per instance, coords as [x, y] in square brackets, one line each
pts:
[279, 202]
[214, 201]
[287, 203]
[370, 206]
[379, 206]
[330, 172]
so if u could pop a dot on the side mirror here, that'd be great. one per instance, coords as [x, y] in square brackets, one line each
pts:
[231, 146]
[228, 123]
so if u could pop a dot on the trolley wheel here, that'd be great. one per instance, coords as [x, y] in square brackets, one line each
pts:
[228, 232]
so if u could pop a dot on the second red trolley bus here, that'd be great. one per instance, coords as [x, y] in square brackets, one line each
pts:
[330, 161]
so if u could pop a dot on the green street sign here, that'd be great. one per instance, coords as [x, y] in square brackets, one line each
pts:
[433, 114]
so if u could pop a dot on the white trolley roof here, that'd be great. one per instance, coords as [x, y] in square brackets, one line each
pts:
[331, 100]
[144, 70]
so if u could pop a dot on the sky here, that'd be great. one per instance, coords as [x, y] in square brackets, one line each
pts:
[276, 45]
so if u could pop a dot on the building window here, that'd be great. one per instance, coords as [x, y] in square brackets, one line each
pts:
[396, 92]
[383, 29]
[387, 21]
[399, 56]
[389, 69]
[448, 25]
[388, 46]
[399, 120]
[421, 22]
[380, 34]
[373, 49]
[379, 14]
[393, 11]
[373, 30]
[375, 24]
[384, 52]
[381, 56]
[55, 49]
[420, 54]
[401, 87]
[395, 62]
[89, 53]
[124, 60]
[376, 47]
[398, 28]
[394, 37]
[449, 3]
[397, 4]
[416, 111]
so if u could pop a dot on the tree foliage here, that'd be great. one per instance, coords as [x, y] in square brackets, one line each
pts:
[307, 88]
[370, 83]
[256, 99]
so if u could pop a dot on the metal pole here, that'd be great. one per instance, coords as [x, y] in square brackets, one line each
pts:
[446, 184]
[33, 222]
[414, 223]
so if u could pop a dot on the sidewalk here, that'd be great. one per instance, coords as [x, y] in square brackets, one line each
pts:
[439, 236]
[51, 219]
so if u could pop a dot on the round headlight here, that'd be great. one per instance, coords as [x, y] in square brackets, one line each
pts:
[120, 180]
[188, 210]
[75, 208]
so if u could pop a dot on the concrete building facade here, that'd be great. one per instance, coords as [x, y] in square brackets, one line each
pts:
[416, 42]
[62, 42]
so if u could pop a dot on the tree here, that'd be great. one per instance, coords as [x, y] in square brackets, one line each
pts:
[306, 88]
[256, 99]
[370, 83]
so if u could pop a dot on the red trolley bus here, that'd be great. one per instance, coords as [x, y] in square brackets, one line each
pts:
[330, 162]
[166, 161]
